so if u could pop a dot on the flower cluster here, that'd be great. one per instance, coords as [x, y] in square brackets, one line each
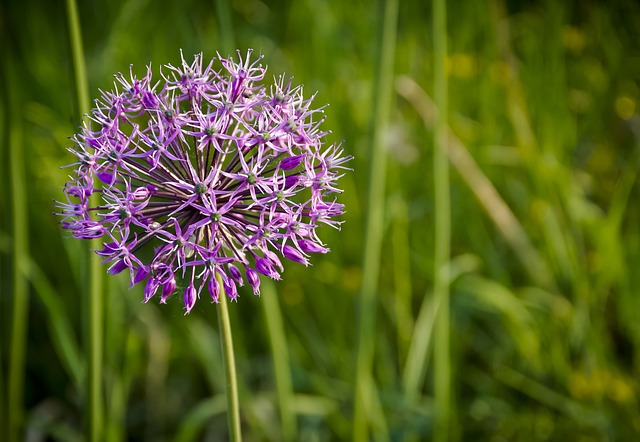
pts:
[204, 176]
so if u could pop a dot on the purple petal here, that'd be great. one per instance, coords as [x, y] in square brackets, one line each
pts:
[142, 273]
[273, 259]
[106, 177]
[254, 280]
[230, 288]
[214, 288]
[150, 289]
[264, 266]
[117, 267]
[291, 180]
[291, 162]
[189, 298]
[294, 255]
[235, 274]
[167, 290]
[308, 246]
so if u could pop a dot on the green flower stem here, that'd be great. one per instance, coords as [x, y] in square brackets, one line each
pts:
[226, 340]
[95, 301]
[233, 406]
[15, 411]
[280, 355]
[442, 356]
[364, 388]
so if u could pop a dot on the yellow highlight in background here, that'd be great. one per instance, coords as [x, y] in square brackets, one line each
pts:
[461, 65]
[625, 107]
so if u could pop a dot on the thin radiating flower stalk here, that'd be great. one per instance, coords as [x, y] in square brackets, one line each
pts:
[15, 406]
[94, 286]
[365, 388]
[442, 203]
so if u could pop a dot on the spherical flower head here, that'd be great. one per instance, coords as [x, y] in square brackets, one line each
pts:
[203, 175]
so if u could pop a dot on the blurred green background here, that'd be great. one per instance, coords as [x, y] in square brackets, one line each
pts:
[545, 305]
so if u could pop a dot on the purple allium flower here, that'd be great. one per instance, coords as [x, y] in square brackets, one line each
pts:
[203, 173]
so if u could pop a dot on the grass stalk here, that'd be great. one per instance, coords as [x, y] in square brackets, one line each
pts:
[4, 106]
[19, 319]
[485, 192]
[402, 277]
[94, 287]
[442, 349]
[226, 341]
[364, 388]
[280, 355]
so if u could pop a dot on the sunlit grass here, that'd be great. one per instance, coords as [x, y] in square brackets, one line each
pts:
[544, 151]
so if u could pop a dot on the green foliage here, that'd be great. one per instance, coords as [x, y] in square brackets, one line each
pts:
[545, 337]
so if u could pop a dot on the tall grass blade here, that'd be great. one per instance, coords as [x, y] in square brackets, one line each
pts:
[487, 195]
[280, 356]
[442, 350]
[383, 88]
[20, 298]
[94, 288]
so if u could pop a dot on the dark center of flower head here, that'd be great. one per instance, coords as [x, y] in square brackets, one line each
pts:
[279, 196]
[252, 178]
[123, 213]
[265, 136]
[168, 113]
[200, 188]
[209, 131]
[291, 126]
[215, 217]
[112, 156]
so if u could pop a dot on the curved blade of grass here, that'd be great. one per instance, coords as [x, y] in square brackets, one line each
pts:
[486, 193]
[196, 419]
[551, 399]
[60, 328]
[364, 388]
[159, 343]
[205, 342]
[280, 355]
